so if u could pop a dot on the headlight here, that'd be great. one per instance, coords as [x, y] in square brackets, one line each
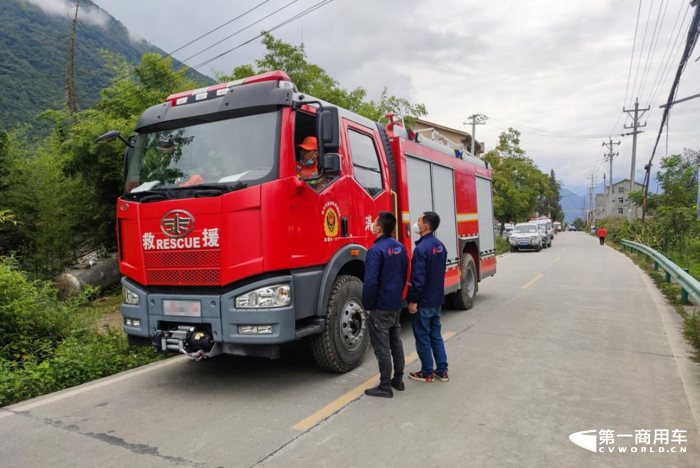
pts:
[129, 296]
[278, 295]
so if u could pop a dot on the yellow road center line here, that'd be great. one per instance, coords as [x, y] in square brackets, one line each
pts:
[532, 281]
[352, 395]
[558, 258]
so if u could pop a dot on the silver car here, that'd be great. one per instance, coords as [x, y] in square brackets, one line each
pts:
[525, 236]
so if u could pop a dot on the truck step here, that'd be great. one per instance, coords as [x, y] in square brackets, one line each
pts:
[311, 328]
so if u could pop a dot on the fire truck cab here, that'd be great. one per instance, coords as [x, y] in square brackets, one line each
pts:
[224, 248]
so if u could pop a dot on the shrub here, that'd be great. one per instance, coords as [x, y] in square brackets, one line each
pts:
[47, 345]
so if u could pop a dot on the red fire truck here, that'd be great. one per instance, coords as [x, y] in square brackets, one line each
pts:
[224, 249]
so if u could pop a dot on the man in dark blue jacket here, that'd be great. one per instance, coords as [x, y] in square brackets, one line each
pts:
[386, 269]
[426, 294]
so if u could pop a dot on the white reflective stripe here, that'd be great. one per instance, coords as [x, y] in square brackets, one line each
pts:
[200, 96]
[221, 92]
[200, 90]
[231, 84]
[467, 217]
[182, 100]
[406, 217]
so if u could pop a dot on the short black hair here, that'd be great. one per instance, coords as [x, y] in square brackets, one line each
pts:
[387, 222]
[432, 219]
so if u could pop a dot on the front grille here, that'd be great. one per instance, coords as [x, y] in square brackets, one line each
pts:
[201, 276]
[184, 259]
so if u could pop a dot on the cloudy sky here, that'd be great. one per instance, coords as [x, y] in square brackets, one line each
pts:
[547, 67]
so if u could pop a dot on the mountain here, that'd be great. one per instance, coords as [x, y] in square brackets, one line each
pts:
[34, 43]
[571, 203]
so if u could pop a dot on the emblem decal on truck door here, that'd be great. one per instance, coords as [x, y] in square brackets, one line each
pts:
[331, 221]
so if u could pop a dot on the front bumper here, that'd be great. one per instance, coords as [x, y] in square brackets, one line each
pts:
[218, 313]
[525, 243]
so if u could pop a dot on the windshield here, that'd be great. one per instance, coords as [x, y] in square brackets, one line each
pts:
[526, 228]
[241, 150]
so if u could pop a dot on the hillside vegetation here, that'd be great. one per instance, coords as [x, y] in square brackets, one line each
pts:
[34, 57]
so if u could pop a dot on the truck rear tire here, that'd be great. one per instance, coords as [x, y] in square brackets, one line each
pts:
[463, 298]
[342, 345]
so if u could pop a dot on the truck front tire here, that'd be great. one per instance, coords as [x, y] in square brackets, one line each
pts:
[463, 298]
[342, 345]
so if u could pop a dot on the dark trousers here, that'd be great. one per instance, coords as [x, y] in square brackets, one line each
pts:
[602, 240]
[385, 334]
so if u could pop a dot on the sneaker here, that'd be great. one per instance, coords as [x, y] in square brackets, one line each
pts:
[379, 392]
[398, 386]
[420, 377]
[444, 376]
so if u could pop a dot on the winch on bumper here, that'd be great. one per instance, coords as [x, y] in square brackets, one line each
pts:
[203, 325]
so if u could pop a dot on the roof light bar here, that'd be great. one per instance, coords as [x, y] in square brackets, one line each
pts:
[221, 89]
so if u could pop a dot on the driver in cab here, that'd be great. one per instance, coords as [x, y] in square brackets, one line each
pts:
[307, 165]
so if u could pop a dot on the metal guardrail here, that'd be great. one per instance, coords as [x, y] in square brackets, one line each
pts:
[690, 285]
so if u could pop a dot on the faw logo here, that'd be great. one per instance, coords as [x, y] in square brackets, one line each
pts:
[177, 223]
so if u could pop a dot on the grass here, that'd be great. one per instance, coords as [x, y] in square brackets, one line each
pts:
[502, 245]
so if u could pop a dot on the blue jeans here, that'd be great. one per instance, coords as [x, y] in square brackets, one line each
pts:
[426, 330]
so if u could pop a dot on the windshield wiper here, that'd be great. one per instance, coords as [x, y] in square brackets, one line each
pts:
[149, 195]
[220, 187]
[173, 193]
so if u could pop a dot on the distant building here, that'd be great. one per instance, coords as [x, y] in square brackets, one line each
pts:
[620, 201]
[448, 136]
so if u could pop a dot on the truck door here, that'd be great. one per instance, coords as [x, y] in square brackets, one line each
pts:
[369, 189]
[320, 209]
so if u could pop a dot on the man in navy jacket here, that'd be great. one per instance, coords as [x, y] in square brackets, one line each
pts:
[426, 294]
[386, 269]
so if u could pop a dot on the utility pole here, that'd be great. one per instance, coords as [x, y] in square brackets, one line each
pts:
[635, 131]
[609, 157]
[605, 209]
[70, 79]
[474, 120]
[590, 199]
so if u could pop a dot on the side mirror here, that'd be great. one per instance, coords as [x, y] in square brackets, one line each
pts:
[327, 129]
[331, 163]
[111, 136]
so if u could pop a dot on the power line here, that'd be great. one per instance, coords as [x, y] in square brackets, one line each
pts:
[502, 124]
[692, 38]
[652, 47]
[641, 49]
[134, 85]
[135, 94]
[671, 60]
[128, 75]
[668, 44]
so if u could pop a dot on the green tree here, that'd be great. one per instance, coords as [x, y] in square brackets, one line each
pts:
[517, 182]
[100, 167]
[315, 81]
[579, 223]
[548, 202]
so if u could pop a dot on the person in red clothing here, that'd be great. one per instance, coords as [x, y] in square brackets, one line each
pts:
[601, 235]
[307, 166]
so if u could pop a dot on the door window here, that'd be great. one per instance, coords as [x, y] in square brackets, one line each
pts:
[365, 162]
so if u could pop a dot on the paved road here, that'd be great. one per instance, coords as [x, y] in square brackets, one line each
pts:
[570, 339]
